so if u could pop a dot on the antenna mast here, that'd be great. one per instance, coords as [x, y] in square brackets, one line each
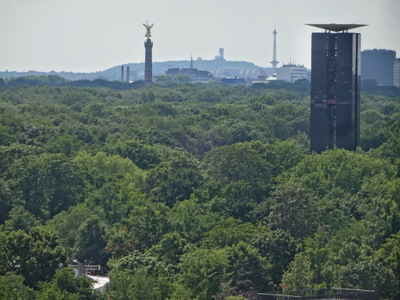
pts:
[274, 62]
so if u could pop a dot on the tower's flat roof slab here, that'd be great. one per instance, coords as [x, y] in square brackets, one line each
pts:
[337, 27]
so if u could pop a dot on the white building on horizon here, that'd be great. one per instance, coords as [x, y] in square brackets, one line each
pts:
[292, 72]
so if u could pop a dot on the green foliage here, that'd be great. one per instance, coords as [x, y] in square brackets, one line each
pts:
[299, 274]
[333, 177]
[13, 152]
[235, 199]
[192, 220]
[35, 255]
[231, 132]
[193, 191]
[237, 162]
[294, 211]
[36, 80]
[168, 81]
[103, 168]
[169, 249]
[230, 232]
[142, 155]
[174, 180]
[390, 149]
[90, 242]
[12, 287]
[283, 155]
[239, 177]
[288, 119]
[249, 272]
[66, 144]
[234, 298]
[208, 95]
[278, 248]
[139, 286]
[134, 262]
[45, 184]
[336, 169]
[389, 254]
[20, 219]
[114, 183]
[67, 223]
[9, 126]
[140, 276]
[369, 274]
[202, 272]
[371, 86]
[378, 200]
[144, 227]
[65, 285]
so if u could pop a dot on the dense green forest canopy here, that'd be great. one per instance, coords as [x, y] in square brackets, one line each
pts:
[186, 191]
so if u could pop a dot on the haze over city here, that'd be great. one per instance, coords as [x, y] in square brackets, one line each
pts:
[93, 35]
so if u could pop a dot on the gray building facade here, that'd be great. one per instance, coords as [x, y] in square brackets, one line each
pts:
[378, 64]
[396, 73]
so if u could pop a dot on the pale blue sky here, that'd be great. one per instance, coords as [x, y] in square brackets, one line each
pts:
[93, 35]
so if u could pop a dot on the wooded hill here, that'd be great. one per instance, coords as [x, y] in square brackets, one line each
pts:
[192, 192]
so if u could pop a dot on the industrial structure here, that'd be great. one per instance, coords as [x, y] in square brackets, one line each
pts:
[378, 65]
[123, 78]
[274, 62]
[335, 87]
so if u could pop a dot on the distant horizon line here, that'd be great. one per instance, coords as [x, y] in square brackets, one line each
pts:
[125, 64]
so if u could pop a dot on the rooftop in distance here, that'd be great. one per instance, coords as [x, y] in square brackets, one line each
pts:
[337, 27]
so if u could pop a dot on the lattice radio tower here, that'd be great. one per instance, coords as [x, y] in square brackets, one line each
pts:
[274, 62]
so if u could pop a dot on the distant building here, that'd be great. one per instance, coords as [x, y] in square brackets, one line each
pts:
[196, 75]
[396, 72]
[236, 72]
[233, 80]
[378, 64]
[291, 73]
[221, 55]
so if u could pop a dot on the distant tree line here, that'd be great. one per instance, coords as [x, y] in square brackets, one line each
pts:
[55, 80]
[303, 85]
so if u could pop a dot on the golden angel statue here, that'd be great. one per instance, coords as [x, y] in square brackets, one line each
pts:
[148, 28]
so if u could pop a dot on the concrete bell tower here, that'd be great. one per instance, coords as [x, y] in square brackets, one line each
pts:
[335, 87]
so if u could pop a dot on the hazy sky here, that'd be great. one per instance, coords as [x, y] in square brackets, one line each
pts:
[93, 35]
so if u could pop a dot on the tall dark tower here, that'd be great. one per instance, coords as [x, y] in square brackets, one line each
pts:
[335, 87]
[148, 64]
